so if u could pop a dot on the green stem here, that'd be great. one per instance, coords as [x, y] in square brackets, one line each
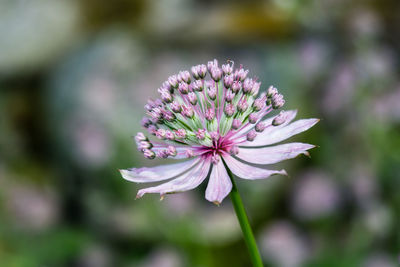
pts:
[244, 223]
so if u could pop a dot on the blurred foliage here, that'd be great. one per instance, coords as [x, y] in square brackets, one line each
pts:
[74, 76]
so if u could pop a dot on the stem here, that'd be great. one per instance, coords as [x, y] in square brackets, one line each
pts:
[244, 223]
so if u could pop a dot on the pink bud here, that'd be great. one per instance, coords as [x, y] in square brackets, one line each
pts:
[140, 137]
[189, 153]
[236, 86]
[183, 88]
[281, 118]
[160, 133]
[227, 68]
[201, 134]
[184, 76]
[260, 127]
[251, 135]
[169, 135]
[187, 111]
[212, 91]
[271, 91]
[180, 133]
[216, 74]
[210, 114]
[229, 110]
[229, 96]
[173, 81]
[171, 151]
[197, 85]
[242, 105]
[236, 123]
[149, 154]
[176, 107]
[192, 98]
[228, 81]
[253, 118]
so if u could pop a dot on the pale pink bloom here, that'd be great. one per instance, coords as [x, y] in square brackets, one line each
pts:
[215, 134]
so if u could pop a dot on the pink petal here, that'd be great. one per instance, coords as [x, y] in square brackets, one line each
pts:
[274, 154]
[219, 184]
[291, 114]
[249, 172]
[158, 173]
[182, 183]
[276, 134]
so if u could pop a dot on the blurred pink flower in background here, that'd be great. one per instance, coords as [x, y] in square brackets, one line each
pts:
[315, 195]
[283, 245]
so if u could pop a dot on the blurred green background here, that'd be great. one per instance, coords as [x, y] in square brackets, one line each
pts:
[74, 76]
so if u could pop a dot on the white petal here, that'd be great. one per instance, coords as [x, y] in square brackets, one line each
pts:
[182, 183]
[158, 173]
[277, 134]
[273, 154]
[249, 172]
[219, 185]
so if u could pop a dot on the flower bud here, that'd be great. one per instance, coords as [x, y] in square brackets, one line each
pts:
[149, 154]
[163, 154]
[160, 134]
[212, 91]
[236, 123]
[184, 76]
[240, 74]
[176, 107]
[227, 68]
[201, 134]
[228, 81]
[189, 153]
[279, 119]
[192, 98]
[260, 127]
[173, 81]
[212, 64]
[256, 88]
[253, 118]
[169, 135]
[152, 129]
[183, 88]
[251, 135]
[236, 86]
[248, 85]
[229, 96]
[216, 74]
[229, 110]
[140, 137]
[166, 96]
[168, 115]
[277, 101]
[187, 111]
[259, 104]
[167, 86]
[171, 151]
[271, 91]
[197, 85]
[242, 105]
[180, 134]
[210, 114]
[145, 122]
[145, 145]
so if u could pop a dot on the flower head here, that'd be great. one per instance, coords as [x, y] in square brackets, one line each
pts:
[212, 121]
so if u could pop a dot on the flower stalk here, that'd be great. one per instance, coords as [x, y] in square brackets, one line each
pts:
[244, 223]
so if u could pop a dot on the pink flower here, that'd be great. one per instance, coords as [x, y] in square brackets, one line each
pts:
[217, 134]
